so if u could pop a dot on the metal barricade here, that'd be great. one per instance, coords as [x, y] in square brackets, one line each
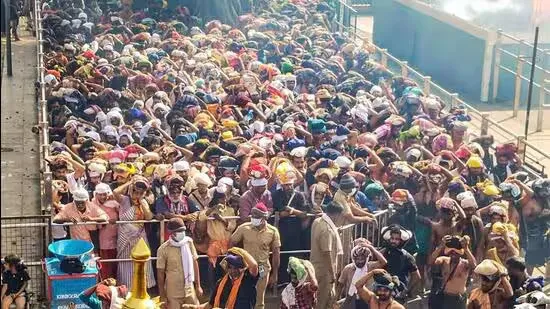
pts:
[521, 57]
[28, 237]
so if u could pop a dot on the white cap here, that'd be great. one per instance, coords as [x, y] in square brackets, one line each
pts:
[225, 181]
[93, 135]
[180, 166]
[101, 188]
[202, 178]
[80, 195]
[343, 162]
[258, 182]
[299, 152]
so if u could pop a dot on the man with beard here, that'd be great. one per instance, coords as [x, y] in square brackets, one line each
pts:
[361, 254]
[384, 288]
[300, 292]
[294, 223]
[452, 271]
[519, 279]
[400, 262]
[201, 196]
[448, 223]
[405, 215]
[107, 233]
[495, 290]
[81, 210]
[175, 204]
[237, 288]
[475, 171]
[471, 225]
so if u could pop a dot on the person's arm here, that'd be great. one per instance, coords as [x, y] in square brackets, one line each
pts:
[198, 288]
[236, 237]
[505, 284]
[87, 298]
[363, 291]
[351, 218]
[480, 252]
[4, 289]
[433, 257]
[525, 188]
[119, 192]
[380, 259]
[378, 163]
[161, 275]
[275, 263]
[415, 283]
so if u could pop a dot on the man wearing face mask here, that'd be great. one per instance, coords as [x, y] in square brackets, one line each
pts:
[345, 197]
[361, 255]
[384, 285]
[177, 268]
[300, 292]
[237, 288]
[259, 238]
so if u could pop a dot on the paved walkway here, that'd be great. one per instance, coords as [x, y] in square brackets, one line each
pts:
[19, 150]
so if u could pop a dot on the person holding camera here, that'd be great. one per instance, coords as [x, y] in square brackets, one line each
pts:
[15, 280]
[452, 270]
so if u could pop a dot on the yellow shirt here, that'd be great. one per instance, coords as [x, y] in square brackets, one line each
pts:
[215, 229]
[258, 242]
[169, 259]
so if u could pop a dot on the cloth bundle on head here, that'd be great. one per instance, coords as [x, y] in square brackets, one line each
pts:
[102, 188]
[80, 195]
[260, 209]
[446, 203]
[400, 196]
[467, 200]
[453, 244]
[498, 208]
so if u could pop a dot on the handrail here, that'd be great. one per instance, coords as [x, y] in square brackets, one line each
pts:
[454, 99]
[504, 34]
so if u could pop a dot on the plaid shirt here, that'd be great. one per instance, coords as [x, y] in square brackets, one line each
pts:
[305, 297]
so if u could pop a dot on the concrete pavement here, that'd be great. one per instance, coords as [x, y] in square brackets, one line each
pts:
[19, 147]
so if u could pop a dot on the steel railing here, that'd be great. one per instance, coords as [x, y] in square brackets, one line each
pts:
[27, 227]
[522, 59]
[43, 123]
[481, 122]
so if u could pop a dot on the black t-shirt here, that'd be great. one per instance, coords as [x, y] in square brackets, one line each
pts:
[14, 281]
[246, 297]
[400, 264]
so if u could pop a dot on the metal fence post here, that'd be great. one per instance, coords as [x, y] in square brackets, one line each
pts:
[404, 68]
[545, 82]
[485, 123]
[384, 58]
[496, 69]
[454, 99]
[517, 88]
[47, 194]
[521, 147]
[427, 84]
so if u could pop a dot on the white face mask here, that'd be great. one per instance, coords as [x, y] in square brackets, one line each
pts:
[352, 193]
[256, 221]
[179, 236]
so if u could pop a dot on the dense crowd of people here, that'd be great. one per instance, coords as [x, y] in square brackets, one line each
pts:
[214, 128]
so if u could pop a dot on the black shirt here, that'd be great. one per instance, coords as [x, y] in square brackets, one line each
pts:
[246, 297]
[14, 281]
[400, 264]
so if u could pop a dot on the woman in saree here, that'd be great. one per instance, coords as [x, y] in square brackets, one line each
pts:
[133, 206]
